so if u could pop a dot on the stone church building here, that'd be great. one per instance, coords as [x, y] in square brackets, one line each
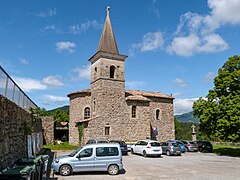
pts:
[108, 111]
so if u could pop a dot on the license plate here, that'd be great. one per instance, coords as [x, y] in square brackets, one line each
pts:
[156, 150]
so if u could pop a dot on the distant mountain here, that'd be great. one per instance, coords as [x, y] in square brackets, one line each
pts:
[64, 108]
[187, 117]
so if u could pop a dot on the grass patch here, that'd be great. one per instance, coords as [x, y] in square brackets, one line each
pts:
[226, 150]
[64, 146]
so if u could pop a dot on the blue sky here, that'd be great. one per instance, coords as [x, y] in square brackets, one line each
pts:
[175, 47]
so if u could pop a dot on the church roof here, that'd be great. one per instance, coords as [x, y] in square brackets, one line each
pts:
[107, 41]
[84, 91]
[143, 96]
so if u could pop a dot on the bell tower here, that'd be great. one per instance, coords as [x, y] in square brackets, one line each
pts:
[107, 82]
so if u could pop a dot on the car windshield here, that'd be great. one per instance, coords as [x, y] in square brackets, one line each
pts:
[75, 152]
[155, 144]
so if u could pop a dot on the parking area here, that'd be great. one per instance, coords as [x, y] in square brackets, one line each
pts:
[198, 165]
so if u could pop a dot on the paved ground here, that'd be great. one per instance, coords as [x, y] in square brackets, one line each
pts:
[200, 166]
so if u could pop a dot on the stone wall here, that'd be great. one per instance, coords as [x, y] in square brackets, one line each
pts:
[78, 103]
[48, 129]
[15, 124]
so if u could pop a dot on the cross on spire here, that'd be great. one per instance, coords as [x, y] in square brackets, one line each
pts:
[108, 10]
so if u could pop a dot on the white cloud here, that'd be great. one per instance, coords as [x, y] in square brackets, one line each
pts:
[183, 105]
[213, 43]
[83, 27]
[23, 61]
[84, 72]
[55, 100]
[184, 46]
[53, 81]
[150, 42]
[176, 94]
[134, 84]
[200, 30]
[180, 82]
[52, 28]
[65, 46]
[28, 84]
[47, 13]
[210, 76]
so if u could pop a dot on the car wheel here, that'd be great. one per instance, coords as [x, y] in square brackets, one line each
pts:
[144, 154]
[65, 170]
[113, 169]
[168, 153]
[132, 151]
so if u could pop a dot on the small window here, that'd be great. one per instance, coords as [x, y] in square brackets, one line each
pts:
[86, 153]
[107, 130]
[87, 113]
[112, 71]
[134, 111]
[157, 114]
[95, 69]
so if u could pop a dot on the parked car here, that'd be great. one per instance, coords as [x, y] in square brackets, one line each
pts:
[171, 148]
[91, 157]
[147, 148]
[191, 146]
[204, 145]
[180, 143]
[93, 141]
[123, 146]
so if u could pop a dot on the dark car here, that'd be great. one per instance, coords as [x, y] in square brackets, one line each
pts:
[204, 145]
[123, 146]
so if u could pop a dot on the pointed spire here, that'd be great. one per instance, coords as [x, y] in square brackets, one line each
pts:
[107, 42]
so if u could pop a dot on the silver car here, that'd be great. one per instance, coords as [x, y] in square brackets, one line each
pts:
[91, 157]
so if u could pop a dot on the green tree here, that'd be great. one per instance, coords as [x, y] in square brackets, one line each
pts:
[61, 116]
[41, 112]
[219, 112]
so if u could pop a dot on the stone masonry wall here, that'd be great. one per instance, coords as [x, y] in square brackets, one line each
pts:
[77, 105]
[48, 129]
[13, 131]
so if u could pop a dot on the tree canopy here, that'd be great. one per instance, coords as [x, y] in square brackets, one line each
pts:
[219, 112]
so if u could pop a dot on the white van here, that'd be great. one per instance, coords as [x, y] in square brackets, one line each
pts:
[91, 157]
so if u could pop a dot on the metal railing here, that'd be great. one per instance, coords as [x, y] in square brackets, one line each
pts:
[13, 92]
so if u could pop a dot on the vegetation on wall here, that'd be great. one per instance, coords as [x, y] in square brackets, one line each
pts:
[80, 127]
[219, 112]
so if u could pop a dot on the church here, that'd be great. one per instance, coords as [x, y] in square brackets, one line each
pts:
[107, 111]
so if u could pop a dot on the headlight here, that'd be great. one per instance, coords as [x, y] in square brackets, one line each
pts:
[56, 160]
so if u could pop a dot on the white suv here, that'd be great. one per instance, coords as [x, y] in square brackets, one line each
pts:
[147, 148]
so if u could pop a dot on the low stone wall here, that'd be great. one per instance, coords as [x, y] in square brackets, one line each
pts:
[48, 129]
[15, 124]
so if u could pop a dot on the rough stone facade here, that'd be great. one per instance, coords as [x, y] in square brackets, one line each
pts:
[15, 124]
[111, 106]
[48, 129]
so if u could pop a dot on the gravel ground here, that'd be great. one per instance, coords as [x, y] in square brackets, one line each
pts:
[197, 166]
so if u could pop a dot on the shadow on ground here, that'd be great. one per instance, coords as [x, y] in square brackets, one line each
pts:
[233, 152]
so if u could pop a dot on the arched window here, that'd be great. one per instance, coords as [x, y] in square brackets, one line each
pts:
[157, 114]
[134, 111]
[112, 71]
[86, 113]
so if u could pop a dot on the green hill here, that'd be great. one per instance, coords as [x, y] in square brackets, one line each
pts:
[187, 117]
[64, 108]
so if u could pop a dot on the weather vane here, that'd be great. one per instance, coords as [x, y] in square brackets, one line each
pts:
[108, 10]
